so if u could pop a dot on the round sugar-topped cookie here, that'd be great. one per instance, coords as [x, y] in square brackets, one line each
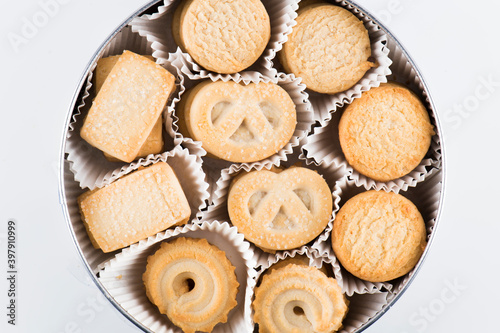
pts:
[280, 210]
[192, 282]
[224, 36]
[298, 298]
[378, 236]
[328, 48]
[386, 133]
[236, 122]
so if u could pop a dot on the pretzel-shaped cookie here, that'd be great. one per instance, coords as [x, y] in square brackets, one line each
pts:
[280, 210]
[238, 123]
[298, 298]
[192, 282]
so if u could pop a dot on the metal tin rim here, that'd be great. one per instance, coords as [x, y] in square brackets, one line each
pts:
[62, 192]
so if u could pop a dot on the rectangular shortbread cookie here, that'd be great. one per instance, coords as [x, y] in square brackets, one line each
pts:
[154, 142]
[104, 67]
[127, 106]
[134, 207]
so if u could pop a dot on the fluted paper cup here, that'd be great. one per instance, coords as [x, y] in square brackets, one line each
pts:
[122, 276]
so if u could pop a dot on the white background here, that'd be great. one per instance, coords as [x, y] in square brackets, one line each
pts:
[454, 43]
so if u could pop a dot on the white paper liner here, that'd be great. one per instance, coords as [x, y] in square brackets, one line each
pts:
[218, 209]
[191, 177]
[86, 162]
[362, 307]
[157, 28]
[323, 146]
[315, 259]
[333, 172]
[187, 169]
[213, 166]
[324, 104]
[402, 72]
[92, 256]
[345, 189]
[122, 276]
[161, 9]
[425, 197]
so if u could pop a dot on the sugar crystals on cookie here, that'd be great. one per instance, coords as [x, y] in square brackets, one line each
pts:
[127, 106]
[134, 207]
[280, 210]
[236, 122]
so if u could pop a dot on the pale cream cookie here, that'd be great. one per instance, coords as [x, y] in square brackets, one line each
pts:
[127, 106]
[104, 67]
[378, 236]
[224, 36]
[329, 48]
[280, 210]
[238, 123]
[298, 298]
[386, 133]
[134, 207]
[192, 282]
[154, 142]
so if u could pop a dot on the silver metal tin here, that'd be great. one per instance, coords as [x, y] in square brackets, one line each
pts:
[66, 177]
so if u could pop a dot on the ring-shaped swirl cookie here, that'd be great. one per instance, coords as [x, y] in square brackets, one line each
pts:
[192, 282]
[298, 298]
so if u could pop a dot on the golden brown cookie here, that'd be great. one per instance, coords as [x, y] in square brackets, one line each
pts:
[224, 36]
[192, 282]
[134, 207]
[328, 48]
[386, 133]
[303, 4]
[238, 123]
[280, 210]
[128, 106]
[378, 236]
[297, 298]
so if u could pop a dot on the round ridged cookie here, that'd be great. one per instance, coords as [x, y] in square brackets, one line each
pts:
[280, 210]
[386, 133]
[298, 298]
[192, 282]
[224, 36]
[238, 123]
[378, 236]
[328, 48]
